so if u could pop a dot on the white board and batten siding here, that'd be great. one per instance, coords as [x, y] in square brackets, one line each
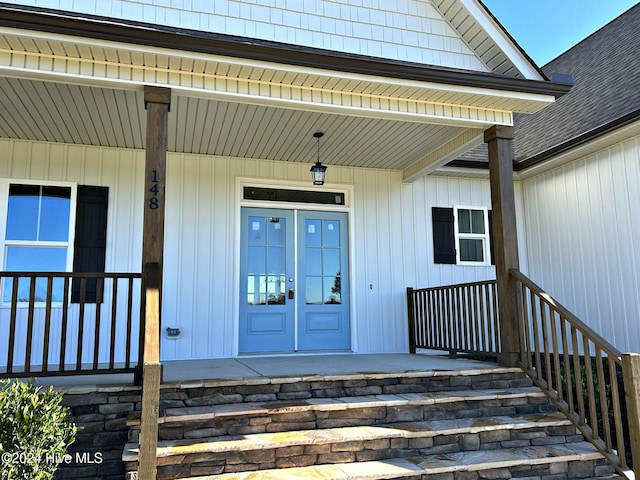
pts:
[407, 30]
[122, 171]
[582, 226]
[390, 231]
[391, 239]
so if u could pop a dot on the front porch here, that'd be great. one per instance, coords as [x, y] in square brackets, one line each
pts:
[259, 369]
[177, 143]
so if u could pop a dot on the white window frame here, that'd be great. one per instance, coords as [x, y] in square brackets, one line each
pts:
[5, 183]
[486, 246]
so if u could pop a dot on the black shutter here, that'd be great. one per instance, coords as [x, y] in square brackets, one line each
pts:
[90, 240]
[493, 259]
[444, 246]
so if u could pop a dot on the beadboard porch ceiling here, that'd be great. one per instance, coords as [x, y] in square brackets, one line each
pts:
[75, 114]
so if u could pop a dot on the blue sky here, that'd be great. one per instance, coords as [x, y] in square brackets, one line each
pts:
[547, 28]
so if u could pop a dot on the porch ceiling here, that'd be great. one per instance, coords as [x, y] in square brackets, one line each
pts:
[81, 90]
[66, 113]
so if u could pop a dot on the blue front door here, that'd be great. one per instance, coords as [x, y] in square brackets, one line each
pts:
[323, 281]
[294, 285]
[266, 272]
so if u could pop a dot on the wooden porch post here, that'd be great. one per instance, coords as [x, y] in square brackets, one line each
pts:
[505, 239]
[631, 375]
[157, 101]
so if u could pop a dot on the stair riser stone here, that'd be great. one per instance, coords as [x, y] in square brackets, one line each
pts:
[217, 395]
[365, 450]
[312, 419]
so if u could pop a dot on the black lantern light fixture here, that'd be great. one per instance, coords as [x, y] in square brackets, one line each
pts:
[318, 171]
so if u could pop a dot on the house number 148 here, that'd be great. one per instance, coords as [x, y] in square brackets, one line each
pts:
[153, 201]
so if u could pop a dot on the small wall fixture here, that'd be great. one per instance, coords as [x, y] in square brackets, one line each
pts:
[318, 171]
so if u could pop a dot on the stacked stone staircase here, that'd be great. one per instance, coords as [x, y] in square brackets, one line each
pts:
[482, 423]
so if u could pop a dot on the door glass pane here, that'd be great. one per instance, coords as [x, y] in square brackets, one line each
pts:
[275, 289]
[276, 261]
[313, 233]
[471, 250]
[313, 261]
[257, 232]
[276, 275]
[256, 290]
[314, 290]
[266, 262]
[331, 261]
[256, 270]
[331, 233]
[277, 231]
[257, 262]
[332, 289]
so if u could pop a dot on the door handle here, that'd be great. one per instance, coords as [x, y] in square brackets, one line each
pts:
[291, 294]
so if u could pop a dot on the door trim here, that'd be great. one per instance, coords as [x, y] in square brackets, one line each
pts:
[347, 189]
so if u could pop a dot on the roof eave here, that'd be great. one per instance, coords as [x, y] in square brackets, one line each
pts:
[126, 31]
[577, 141]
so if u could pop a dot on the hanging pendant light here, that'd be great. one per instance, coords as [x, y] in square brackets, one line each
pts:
[318, 171]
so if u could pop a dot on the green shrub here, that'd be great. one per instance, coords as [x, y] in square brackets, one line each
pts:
[35, 431]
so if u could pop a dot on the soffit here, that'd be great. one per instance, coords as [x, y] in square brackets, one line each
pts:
[74, 114]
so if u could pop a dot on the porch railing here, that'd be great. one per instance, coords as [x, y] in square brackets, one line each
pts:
[455, 318]
[582, 373]
[69, 323]
[588, 379]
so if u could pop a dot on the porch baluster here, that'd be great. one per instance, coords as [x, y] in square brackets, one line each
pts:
[83, 291]
[32, 301]
[47, 324]
[12, 324]
[65, 317]
[114, 321]
[96, 339]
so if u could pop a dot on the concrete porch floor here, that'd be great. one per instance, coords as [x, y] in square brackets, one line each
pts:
[312, 366]
[254, 368]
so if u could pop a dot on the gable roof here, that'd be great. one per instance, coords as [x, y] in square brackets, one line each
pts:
[606, 73]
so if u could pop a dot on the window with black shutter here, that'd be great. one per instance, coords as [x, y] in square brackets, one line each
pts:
[90, 241]
[446, 243]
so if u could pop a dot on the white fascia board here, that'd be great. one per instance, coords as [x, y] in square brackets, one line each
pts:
[537, 100]
[521, 62]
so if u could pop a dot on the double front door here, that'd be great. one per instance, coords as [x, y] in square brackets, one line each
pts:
[294, 282]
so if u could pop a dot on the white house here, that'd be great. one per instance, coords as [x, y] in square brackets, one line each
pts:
[155, 183]
[257, 259]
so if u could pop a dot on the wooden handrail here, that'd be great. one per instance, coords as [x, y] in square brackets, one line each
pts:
[566, 313]
[580, 371]
[12, 274]
[584, 375]
[64, 333]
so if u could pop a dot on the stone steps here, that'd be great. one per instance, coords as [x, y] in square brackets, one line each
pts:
[282, 416]
[407, 425]
[579, 460]
[357, 444]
